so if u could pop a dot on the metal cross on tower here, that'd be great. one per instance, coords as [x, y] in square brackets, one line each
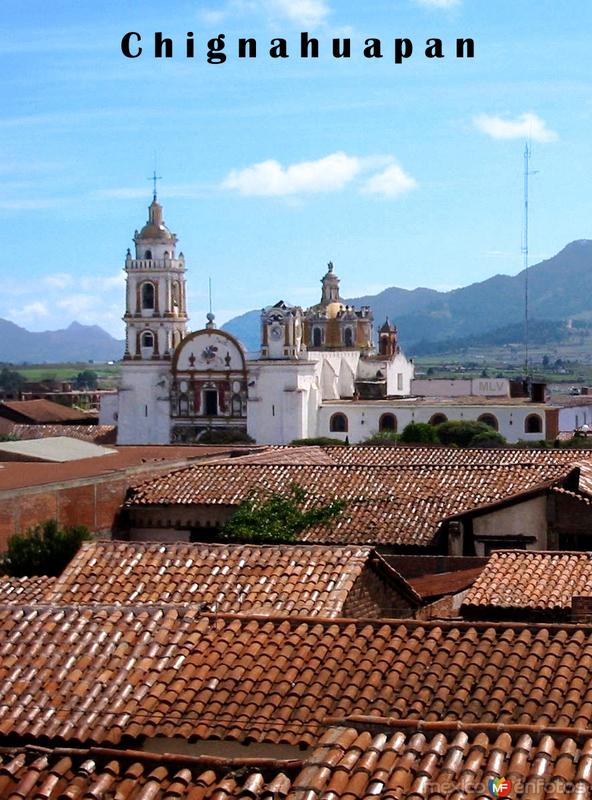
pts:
[154, 178]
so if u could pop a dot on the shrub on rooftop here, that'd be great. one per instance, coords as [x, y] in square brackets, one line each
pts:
[383, 437]
[419, 433]
[467, 433]
[45, 549]
[319, 441]
[225, 436]
[278, 517]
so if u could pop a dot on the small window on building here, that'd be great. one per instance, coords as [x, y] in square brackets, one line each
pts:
[533, 424]
[148, 295]
[211, 402]
[147, 340]
[490, 420]
[388, 422]
[148, 254]
[349, 337]
[438, 419]
[338, 423]
[399, 381]
[317, 338]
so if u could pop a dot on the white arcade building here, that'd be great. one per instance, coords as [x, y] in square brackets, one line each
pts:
[318, 372]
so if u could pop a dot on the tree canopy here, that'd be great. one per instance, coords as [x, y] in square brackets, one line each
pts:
[278, 517]
[45, 549]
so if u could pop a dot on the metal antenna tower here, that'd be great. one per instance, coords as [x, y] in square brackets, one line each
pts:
[527, 173]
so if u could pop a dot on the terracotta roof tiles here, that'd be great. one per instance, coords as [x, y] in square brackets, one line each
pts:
[535, 581]
[98, 674]
[248, 579]
[25, 590]
[404, 505]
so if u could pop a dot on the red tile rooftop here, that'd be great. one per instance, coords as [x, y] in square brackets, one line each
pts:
[246, 579]
[25, 590]
[536, 581]
[100, 674]
[402, 506]
[349, 762]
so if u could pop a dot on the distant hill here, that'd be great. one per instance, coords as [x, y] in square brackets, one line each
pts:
[560, 288]
[75, 343]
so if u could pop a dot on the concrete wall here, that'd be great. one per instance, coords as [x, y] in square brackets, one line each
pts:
[363, 418]
[522, 519]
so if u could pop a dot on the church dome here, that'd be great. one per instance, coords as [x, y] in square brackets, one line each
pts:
[155, 227]
[333, 310]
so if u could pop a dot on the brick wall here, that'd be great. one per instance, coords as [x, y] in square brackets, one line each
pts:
[94, 502]
[372, 596]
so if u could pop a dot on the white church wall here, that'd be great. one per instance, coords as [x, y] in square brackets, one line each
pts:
[278, 408]
[109, 408]
[364, 418]
[399, 375]
[144, 405]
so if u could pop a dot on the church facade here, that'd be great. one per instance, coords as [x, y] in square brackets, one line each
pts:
[176, 385]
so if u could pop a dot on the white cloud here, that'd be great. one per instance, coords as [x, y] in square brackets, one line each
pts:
[58, 280]
[392, 182]
[526, 126]
[302, 12]
[271, 179]
[310, 13]
[439, 3]
[29, 313]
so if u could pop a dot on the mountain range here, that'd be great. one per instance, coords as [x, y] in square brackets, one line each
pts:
[560, 288]
[75, 343]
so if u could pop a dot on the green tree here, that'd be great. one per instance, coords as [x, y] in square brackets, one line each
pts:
[11, 381]
[383, 437]
[277, 517]
[87, 379]
[419, 433]
[463, 433]
[45, 549]
[319, 441]
[225, 436]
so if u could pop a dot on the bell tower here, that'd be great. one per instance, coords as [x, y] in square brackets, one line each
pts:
[156, 310]
[156, 322]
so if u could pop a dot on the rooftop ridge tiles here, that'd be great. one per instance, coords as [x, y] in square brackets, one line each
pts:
[158, 758]
[363, 722]
[296, 620]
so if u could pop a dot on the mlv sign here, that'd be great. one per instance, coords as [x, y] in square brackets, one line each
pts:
[490, 387]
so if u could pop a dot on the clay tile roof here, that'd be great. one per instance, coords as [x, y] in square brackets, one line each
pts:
[41, 411]
[427, 765]
[445, 582]
[97, 773]
[396, 495]
[97, 674]
[537, 581]
[99, 434]
[25, 590]
[247, 579]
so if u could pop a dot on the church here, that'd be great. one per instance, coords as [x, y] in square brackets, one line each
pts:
[177, 385]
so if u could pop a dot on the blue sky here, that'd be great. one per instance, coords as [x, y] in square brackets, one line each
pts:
[407, 175]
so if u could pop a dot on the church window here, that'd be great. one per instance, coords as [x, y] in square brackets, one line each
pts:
[338, 423]
[533, 424]
[490, 420]
[147, 339]
[211, 402]
[399, 381]
[317, 337]
[148, 254]
[388, 422]
[148, 295]
[349, 337]
[438, 419]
